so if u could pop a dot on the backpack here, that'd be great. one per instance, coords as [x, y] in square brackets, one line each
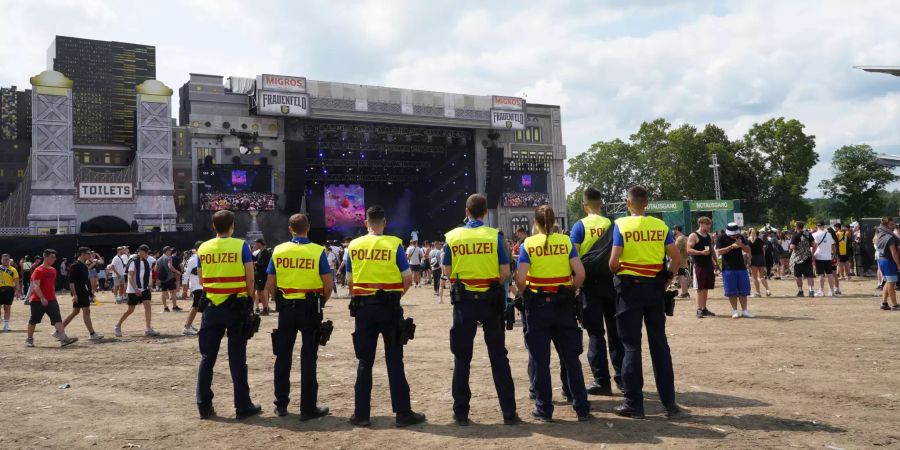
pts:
[596, 260]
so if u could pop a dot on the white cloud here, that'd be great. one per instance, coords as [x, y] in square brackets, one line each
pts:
[609, 66]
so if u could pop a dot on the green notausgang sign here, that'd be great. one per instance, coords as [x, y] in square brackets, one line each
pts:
[711, 205]
[665, 206]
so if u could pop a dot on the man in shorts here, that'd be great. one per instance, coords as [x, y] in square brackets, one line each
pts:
[190, 271]
[844, 246]
[731, 246]
[43, 300]
[824, 244]
[139, 282]
[802, 249]
[10, 288]
[168, 276]
[699, 247]
[82, 294]
[119, 262]
[414, 255]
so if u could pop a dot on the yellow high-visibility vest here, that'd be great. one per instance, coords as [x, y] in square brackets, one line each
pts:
[373, 261]
[644, 247]
[221, 269]
[297, 269]
[550, 267]
[594, 227]
[474, 257]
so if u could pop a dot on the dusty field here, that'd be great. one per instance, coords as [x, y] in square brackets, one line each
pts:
[804, 373]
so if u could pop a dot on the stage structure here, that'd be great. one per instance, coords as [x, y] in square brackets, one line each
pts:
[279, 144]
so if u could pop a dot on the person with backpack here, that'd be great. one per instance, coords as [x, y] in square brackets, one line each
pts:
[598, 296]
[802, 249]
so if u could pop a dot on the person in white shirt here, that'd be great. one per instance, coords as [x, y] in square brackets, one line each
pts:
[140, 280]
[119, 262]
[415, 255]
[824, 245]
[193, 282]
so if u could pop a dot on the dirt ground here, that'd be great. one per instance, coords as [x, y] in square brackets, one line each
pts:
[805, 373]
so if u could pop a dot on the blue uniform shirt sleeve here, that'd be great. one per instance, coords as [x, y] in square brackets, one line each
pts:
[577, 233]
[246, 254]
[448, 256]
[347, 263]
[502, 257]
[523, 255]
[669, 239]
[573, 253]
[324, 267]
[617, 239]
[271, 269]
[402, 263]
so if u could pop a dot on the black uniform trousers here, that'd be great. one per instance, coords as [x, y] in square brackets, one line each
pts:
[467, 314]
[216, 322]
[529, 368]
[304, 316]
[555, 321]
[372, 320]
[639, 304]
[600, 309]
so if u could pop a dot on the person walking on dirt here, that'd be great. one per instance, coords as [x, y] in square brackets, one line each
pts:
[82, 295]
[43, 300]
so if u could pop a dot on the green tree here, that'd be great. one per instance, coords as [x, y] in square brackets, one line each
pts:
[784, 155]
[574, 205]
[857, 182]
[609, 166]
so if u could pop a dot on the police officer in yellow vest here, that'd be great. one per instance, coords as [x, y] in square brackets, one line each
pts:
[547, 262]
[477, 264]
[226, 272]
[640, 245]
[599, 298]
[378, 274]
[300, 280]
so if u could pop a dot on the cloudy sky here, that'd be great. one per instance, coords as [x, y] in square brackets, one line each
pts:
[609, 64]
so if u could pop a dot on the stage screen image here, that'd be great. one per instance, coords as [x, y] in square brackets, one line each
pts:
[525, 189]
[236, 188]
[344, 205]
[525, 182]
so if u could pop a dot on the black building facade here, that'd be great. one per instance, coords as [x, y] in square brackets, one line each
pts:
[15, 137]
[105, 75]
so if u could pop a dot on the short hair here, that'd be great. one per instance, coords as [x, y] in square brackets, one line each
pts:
[198, 244]
[521, 230]
[299, 224]
[83, 250]
[223, 221]
[477, 205]
[5, 255]
[678, 228]
[261, 240]
[638, 194]
[703, 220]
[144, 248]
[49, 252]
[799, 225]
[592, 196]
[375, 214]
[885, 220]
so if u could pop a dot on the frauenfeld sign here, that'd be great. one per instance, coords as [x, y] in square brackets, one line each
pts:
[282, 104]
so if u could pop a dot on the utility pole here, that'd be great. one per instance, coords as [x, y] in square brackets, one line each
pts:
[715, 168]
